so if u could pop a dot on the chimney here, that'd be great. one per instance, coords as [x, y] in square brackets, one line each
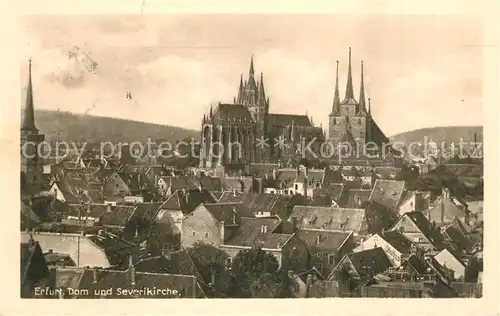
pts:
[308, 284]
[51, 251]
[274, 173]
[212, 277]
[234, 192]
[318, 239]
[234, 214]
[94, 275]
[108, 207]
[222, 231]
[131, 270]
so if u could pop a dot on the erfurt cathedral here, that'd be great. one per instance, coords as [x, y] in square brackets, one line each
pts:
[262, 136]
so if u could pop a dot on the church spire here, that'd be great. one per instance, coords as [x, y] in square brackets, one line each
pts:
[240, 90]
[29, 112]
[262, 92]
[362, 100]
[369, 106]
[336, 98]
[349, 91]
[252, 71]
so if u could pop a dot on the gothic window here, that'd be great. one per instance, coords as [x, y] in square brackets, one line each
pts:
[331, 259]
[334, 121]
[194, 233]
[359, 121]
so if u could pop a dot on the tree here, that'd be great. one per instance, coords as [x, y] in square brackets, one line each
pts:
[211, 263]
[256, 274]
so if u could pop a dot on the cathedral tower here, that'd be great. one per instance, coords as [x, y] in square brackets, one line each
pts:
[31, 162]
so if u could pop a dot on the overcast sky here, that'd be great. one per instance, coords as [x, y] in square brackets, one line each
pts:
[420, 71]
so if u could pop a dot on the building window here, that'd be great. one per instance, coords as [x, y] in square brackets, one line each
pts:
[320, 255]
[334, 121]
[206, 235]
[320, 267]
[296, 186]
[359, 121]
[194, 233]
[331, 259]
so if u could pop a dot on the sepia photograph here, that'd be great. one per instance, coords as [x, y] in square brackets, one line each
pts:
[235, 156]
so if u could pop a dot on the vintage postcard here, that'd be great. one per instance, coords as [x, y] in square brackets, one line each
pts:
[248, 156]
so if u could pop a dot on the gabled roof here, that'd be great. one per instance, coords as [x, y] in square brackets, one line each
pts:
[186, 285]
[444, 209]
[249, 232]
[177, 262]
[374, 260]
[276, 204]
[179, 183]
[187, 200]
[31, 254]
[417, 264]
[334, 190]
[237, 183]
[425, 227]
[354, 198]
[119, 215]
[329, 218]
[327, 241]
[462, 242]
[397, 240]
[224, 212]
[387, 193]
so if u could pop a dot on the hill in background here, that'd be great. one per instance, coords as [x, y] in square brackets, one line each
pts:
[88, 128]
[447, 134]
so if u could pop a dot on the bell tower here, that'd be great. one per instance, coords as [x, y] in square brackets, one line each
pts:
[31, 139]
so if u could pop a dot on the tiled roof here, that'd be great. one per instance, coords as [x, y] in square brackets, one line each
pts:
[283, 120]
[29, 253]
[232, 113]
[186, 285]
[249, 232]
[334, 190]
[177, 262]
[276, 204]
[179, 183]
[407, 195]
[210, 184]
[53, 258]
[417, 264]
[260, 170]
[68, 277]
[425, 227]
[445, 209]
[187, 200]
[375, 259]
[387, 172]
[323, 240]
[397, 240]
[120, 215]
[387, 193]
[329, 218]
[462, 242]
[225, 212]
[237, 183]
[354, 198]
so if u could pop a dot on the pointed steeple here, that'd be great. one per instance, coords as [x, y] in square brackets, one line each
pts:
[211, 112]
[252, 71]
[369, 106]
[336, 97]
[262, 92]
[240, 90]
[349, 91]
[29, 112]
[362, 102]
